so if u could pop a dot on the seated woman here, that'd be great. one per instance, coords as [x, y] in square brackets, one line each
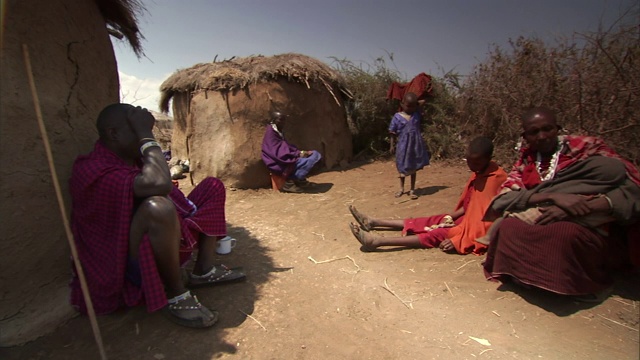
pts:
[567, 208]
[457, 231]
[285, 159]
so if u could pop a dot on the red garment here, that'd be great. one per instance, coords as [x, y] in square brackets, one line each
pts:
[562, 257]
[420, 85]
[101, 187]
[428, 238]
[574, 148]
[475, 199]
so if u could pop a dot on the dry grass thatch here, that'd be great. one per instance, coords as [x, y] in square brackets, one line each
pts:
[121, 17]
[238, 73]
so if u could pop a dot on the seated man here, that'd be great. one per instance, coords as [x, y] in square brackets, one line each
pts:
[568, 204]
[133, 228]
[285, 159]
[457, 231]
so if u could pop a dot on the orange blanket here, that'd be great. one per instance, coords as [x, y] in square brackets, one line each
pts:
[478, 193]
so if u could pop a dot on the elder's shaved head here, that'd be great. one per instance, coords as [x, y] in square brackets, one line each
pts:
[112, 116]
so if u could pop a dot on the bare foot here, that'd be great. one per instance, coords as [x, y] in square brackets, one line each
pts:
[363, 238]
[447, 246]
[399, 193]
[361, 218]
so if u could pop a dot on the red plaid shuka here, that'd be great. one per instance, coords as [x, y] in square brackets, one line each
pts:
[101, 187]
[574, 149]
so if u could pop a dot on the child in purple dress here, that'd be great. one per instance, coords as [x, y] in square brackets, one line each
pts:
[411, 151]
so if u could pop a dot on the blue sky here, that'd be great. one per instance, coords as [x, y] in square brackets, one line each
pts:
[424, 36]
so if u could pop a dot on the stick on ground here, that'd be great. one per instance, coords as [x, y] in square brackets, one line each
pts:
[405, 303]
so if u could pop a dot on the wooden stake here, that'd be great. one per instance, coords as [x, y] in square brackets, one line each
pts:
[56, 185]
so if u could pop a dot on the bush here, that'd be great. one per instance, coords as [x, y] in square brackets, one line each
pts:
[591, 80]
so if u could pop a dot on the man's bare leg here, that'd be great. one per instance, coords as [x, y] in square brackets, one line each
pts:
[157, 217]
[206, 249]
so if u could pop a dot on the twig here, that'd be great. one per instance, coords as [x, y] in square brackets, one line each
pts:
[254, 319]
[315, 233]
[405, 303]
[445, 284]
[336, 259]
[484, 351]
[463, 265]
[619, 323]
[496, 313]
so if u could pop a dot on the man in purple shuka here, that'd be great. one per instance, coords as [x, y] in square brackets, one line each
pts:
[286, 159]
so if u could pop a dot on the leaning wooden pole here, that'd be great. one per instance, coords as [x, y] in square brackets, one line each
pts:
[65, 220]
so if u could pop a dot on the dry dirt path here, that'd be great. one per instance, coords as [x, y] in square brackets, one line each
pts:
[435, 307]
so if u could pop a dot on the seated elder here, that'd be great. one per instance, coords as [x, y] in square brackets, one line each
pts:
[457, 231]
[568, 206]
[285, 159]
[133, 228]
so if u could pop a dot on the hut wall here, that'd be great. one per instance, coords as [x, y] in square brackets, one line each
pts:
[224, 131]
[75, 74]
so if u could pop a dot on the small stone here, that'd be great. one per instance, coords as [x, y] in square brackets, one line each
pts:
[304, 346]
[159, 356]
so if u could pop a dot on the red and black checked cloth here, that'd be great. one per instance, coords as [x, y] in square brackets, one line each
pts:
[101, 187]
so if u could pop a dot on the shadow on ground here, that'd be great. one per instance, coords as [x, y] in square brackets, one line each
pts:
[136, 334]
[624, 287]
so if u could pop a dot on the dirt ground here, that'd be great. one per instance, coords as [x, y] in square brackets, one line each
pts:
[435, 306]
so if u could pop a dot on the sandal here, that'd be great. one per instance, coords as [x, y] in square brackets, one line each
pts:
[361, 219]
[399, 193]
[219, 274]
[412, 195]
[187, 311]
[355, 230]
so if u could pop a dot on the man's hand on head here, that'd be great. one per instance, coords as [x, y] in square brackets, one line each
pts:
[141, 121]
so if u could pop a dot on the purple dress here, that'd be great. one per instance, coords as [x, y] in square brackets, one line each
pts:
[411, 151]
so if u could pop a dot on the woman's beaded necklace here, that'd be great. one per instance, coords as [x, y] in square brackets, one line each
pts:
[553, 164]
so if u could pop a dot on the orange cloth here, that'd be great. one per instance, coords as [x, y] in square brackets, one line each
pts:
[483, 188]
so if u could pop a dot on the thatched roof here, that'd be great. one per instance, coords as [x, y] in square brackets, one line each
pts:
[238, 73]
[121, 17]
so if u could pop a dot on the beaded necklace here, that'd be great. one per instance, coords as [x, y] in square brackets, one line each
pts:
[553, 163]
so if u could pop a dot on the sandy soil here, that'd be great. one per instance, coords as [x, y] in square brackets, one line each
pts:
[435, 306]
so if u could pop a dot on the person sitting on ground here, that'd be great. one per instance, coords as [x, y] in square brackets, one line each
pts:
[566, 205]
[285, 159]
[457, 231]
[133, 228]
[410, 149]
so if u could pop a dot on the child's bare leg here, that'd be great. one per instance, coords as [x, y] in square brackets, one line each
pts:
[399, 193]
[367, 223]
[412, 193]
[370, 241]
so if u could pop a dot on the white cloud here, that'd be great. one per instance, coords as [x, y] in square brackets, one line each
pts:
[140, 92]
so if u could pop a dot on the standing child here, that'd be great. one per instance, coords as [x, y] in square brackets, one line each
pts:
[411, 151]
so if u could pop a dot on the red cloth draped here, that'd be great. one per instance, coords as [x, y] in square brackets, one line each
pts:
[420, 85]
[101, 187]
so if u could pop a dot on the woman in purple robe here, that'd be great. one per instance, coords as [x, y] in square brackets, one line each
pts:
[285, 159]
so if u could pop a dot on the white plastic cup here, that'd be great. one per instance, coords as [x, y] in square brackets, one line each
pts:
[225, 245]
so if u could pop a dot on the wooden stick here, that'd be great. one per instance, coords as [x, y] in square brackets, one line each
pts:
[386, 287]
[56, 185]
[619, 323]
[254, 319]
[445, 284]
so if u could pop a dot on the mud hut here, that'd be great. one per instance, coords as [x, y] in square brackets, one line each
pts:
[220, 110]
[75, 72]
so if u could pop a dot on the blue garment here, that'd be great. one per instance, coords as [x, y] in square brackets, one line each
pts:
[411, 150]
[304, 165]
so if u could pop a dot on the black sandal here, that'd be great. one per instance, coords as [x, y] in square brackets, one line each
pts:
[186, 310]
[220, 274]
